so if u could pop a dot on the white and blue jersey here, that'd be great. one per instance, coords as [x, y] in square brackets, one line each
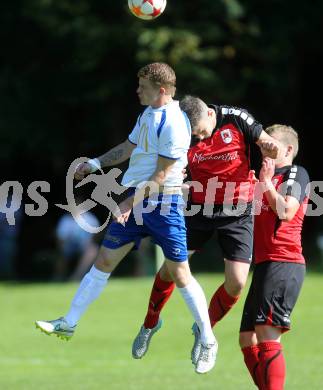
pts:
[164, 132]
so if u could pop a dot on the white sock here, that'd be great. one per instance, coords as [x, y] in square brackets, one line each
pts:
[90, 288]
[196, 302]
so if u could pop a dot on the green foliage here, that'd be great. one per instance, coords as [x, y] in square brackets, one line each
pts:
[67, 64]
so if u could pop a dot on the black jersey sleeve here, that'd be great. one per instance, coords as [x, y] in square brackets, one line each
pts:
[296, 183]
[250, 128]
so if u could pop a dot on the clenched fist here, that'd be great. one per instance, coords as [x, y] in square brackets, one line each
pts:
[269, 149]
[83, 170]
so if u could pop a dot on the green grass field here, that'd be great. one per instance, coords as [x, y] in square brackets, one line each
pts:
[99, 355]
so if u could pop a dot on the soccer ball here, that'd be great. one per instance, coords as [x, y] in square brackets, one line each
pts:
[147, 9]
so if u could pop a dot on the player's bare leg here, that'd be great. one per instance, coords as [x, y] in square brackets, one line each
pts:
[161, 292]
[225, 297]
[236, 275]
[162, 289]
[194, 297]
[90, 288]
[195, 300]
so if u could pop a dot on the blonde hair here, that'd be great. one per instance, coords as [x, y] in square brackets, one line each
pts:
[289, 136]
[160, 74]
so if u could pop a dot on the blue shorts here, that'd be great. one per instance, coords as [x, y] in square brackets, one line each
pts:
[165, 224]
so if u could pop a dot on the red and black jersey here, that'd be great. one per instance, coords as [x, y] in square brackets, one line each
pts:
[225, 156]
[274, 239]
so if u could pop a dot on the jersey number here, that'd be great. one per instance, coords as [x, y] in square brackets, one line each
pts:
[143, 137]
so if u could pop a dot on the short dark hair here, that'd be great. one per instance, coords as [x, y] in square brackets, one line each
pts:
[194, 108]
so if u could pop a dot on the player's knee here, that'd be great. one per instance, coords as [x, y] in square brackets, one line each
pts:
[235, 286]
[104, 262]
[239, 285]
[266, 332]
[247, 338]
[242, 340]
[236, 275]
[179, 273]
[181, 279]
[164, 274]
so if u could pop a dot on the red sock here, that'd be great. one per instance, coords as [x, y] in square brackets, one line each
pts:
[271, 365]
[160, 294]
[251, 359]
[220, 304]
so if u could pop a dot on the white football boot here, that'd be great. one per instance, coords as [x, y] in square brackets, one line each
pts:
[207, 358]
[141, 343]
[196, 349]
[59, 327]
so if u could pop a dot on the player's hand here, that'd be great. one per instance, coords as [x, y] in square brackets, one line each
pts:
[82, 170]
[185, 191]
[125, 208]
[185, 187]
[269, 149]
[252, 177]
[267, 169]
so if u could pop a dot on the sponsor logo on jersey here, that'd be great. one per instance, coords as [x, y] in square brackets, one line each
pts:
[200, 157]
[226, 136]
[169, 145]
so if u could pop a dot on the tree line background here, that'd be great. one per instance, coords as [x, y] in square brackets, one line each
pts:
[68, 86]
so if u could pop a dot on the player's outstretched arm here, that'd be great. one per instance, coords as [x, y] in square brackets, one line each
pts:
[117, 155]
[114, 156]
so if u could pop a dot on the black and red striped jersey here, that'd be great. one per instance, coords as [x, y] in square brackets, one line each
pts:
[275, 239]
[225, 155]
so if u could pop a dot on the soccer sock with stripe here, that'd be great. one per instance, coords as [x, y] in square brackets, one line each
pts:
[271, 366]
[220, 304]
[196, 302]
[251, 359]
[90, 288]
[160, 293]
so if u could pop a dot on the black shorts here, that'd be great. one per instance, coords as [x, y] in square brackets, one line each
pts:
[272, 295]
[235, 233]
